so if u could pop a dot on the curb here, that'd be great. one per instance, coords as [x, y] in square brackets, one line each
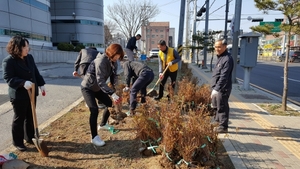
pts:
[48, 122]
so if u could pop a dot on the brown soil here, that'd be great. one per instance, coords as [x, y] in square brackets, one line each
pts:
[70, 146]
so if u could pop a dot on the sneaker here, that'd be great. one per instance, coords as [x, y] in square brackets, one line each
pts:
[101, 106]
[97, 141]
[21, 147]
[105, 127]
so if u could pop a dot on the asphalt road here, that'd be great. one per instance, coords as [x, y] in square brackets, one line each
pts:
[269, 75]
[62, 89]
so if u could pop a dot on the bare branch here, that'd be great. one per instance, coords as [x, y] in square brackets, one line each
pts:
[129, 15]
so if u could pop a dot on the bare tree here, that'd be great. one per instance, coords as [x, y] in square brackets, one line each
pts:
[129, 15]
[109, 29]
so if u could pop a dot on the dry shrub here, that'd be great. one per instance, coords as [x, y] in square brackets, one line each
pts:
[183, 124]
[186, 71]
[116, 110]
[190, 92]
[202, 94]
[171, 124]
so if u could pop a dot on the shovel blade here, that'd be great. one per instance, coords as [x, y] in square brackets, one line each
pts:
[152, 93]
[41, 147]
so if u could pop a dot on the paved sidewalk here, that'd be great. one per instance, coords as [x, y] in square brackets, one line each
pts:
[257, 140]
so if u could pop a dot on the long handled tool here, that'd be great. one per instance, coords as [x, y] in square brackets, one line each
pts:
[39, 144]
[151, 91]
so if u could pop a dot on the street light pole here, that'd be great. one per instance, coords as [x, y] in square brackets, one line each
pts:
[206, 35]
[236, 31]
[75, 36]
[194, 31]
[226, 18]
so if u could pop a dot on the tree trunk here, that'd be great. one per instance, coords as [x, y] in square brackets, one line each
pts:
[211, 60]
[285, 73]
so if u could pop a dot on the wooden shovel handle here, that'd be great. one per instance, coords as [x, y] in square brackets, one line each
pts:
[163, 73]
[31, 93]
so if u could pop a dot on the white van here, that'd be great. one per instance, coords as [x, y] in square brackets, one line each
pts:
[229, 49]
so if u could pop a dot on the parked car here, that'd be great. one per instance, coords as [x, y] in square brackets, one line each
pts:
[153, 53]
[293, 56]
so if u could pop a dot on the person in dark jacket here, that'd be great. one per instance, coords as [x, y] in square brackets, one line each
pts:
[84, 59]
[94, 86]
[19, 72]
[221, 85]
[131, 45]
[143, 75]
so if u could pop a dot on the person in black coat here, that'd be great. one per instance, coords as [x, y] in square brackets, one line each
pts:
[131, 45]
[19, 72]
[221, 85]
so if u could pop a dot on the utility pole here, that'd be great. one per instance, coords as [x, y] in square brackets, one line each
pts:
[194, 31]
[236, 31]
[180, 31]
[226, 18]
[206, 35]
[145, 24]
[187, 25]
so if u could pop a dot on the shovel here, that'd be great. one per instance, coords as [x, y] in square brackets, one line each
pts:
[39, 144]
[151, 91]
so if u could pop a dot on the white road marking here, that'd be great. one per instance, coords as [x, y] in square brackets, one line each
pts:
[293, 80]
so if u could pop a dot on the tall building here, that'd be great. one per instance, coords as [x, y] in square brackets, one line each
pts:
[154, 32]
[29, 18]
[78, 22]
[46, 23]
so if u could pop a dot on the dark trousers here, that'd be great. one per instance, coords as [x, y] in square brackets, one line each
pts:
[173, 76]
[140, 84]
[22, 125]
[90, 99]
[222, 108]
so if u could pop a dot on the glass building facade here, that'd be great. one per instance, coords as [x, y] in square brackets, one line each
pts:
[77, 22]
[47, 23]
[29, 18]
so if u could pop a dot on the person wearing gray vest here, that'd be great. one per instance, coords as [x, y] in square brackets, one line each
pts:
[84, 59]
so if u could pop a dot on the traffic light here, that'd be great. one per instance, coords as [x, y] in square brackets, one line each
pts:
[278, 20]
[202, 10]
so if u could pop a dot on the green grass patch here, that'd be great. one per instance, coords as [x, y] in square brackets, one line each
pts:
[276, 109]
